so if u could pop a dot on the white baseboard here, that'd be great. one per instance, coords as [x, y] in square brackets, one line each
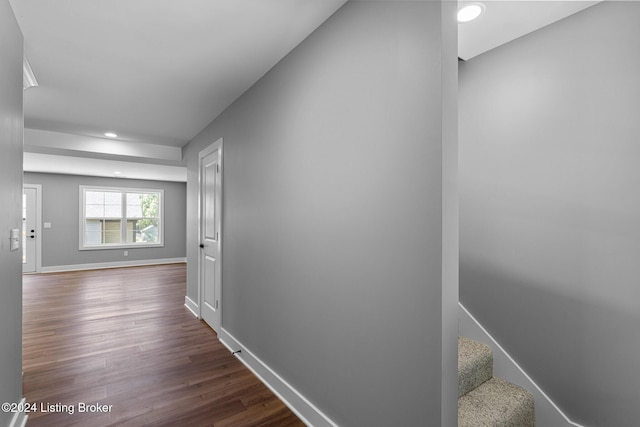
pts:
[192, 306]
[19, 419]
[116, 264]
[299, 405]
[547, 413]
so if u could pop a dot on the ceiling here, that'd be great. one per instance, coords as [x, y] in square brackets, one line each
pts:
[156, 72]
[504, 21]
[153, 71]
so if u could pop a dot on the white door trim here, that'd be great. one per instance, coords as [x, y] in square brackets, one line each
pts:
[217, 145]
[38, 188]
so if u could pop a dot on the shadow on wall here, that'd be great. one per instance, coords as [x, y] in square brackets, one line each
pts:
[582, 353]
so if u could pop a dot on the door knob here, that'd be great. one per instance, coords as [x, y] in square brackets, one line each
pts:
[201, 246]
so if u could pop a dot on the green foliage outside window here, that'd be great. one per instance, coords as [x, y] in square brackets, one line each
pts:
[146, 227]
[149, 204]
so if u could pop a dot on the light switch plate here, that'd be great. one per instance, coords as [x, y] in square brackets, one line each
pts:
[15, 239]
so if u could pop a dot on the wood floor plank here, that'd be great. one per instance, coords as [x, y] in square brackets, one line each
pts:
[123, 338]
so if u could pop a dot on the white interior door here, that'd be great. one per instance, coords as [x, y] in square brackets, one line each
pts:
[210, 246]
[30, 231]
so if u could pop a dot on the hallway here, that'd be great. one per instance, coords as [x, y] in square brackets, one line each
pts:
[122, 339]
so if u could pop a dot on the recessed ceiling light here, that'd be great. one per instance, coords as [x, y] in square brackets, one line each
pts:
[470, 12]
[111, 135]
[117, 172]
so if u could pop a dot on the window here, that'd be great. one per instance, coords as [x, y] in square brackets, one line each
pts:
[120, 217]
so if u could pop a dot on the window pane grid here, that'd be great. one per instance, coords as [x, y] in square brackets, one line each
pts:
[123, 217]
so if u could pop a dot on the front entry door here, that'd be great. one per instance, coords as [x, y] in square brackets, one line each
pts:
[210, 248]
[29, 230]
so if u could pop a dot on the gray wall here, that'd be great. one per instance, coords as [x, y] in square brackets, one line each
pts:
[332, 226]
[10, 209]
[550, 207]
[60, 195]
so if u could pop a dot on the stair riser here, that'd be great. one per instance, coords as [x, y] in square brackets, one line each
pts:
[486, 401]
[475, 365]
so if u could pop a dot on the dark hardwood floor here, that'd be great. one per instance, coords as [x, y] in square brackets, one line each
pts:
[123, 338]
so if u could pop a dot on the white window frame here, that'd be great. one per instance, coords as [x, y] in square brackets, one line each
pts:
[123, 219]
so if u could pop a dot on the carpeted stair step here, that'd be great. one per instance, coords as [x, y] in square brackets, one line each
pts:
[496, 403]
[475, 364]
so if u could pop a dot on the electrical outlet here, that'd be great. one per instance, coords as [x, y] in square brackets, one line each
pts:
[126, 253]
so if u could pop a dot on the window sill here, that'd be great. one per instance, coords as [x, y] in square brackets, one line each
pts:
[131, 246]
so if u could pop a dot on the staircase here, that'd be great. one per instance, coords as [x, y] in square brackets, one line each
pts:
[486, 401]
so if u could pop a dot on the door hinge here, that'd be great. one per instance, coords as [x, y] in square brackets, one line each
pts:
[217, 167]
[216, 304]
